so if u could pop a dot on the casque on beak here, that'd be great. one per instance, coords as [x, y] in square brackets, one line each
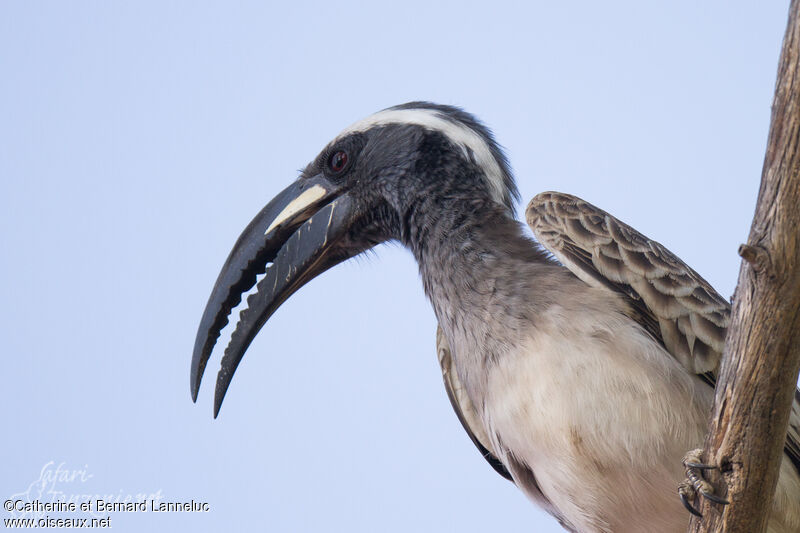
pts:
[297, 232]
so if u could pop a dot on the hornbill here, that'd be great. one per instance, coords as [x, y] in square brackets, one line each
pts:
[584, 378]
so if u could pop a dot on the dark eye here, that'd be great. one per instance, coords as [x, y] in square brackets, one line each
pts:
[338, 161]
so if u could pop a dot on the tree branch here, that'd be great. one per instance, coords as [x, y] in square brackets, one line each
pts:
[759, 369]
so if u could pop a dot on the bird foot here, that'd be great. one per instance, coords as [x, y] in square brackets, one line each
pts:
[695, 484]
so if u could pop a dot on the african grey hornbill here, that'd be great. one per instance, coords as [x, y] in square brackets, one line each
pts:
[583, 380]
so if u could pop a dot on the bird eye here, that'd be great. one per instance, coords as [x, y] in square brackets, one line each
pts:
[338, 161]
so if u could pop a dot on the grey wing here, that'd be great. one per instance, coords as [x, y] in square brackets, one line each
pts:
[463, 407]
[669, 299]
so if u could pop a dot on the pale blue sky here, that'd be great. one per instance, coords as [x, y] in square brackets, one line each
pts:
[137, 140]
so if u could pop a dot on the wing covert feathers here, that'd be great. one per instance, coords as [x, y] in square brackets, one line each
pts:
[667, 297]
[691, 317]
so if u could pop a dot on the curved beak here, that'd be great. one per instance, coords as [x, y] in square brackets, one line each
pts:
[297, 232]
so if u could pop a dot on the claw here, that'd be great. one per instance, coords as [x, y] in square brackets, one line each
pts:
[688, 505]
[695, 484]
[700, 466]
[714, 498]
[693, 459]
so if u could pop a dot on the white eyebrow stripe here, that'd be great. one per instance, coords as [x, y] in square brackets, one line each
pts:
[460, 135]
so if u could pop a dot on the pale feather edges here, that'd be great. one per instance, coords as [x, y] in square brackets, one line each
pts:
[667, 297]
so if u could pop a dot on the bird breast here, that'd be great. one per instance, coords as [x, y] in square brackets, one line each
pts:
[601, 415]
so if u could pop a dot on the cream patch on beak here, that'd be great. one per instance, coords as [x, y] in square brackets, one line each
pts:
[297, 205]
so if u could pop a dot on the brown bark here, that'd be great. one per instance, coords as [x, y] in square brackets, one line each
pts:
[759, 370]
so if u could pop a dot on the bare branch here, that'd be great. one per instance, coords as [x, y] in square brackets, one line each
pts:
[762, 353]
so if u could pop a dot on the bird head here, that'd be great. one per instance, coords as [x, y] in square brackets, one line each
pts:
[364, 188]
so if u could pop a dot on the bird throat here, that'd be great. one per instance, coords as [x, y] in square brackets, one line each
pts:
[473, 261]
